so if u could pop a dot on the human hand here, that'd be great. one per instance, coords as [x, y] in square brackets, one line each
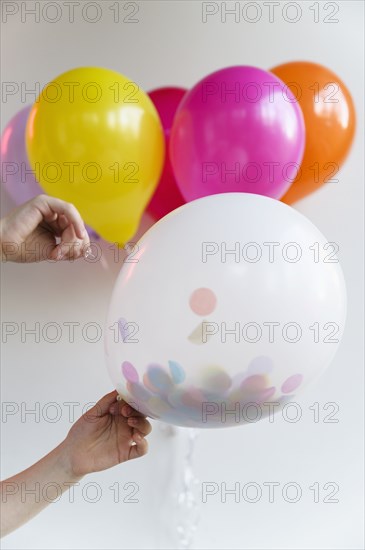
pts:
[100, 439]
[28, 233]
[108, 434]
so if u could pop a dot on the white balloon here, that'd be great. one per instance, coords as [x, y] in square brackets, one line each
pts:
[223, 310]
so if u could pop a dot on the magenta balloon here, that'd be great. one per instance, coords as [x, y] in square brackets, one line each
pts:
[167, 196]
[238, 129]
[16, 174]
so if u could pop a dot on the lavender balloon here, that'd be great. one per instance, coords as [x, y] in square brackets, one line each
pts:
[16, 174]
[238, 129]
[17, 177]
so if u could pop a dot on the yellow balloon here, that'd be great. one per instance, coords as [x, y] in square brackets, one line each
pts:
[95, 139]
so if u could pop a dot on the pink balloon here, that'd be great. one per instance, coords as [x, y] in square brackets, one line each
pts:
[167, 196]
[238, 129]
[16, 174]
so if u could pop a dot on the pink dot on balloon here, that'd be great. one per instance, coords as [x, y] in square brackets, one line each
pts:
[203, 301]
[254, 383]
[193, 397]
[292, 383]
[129, 372]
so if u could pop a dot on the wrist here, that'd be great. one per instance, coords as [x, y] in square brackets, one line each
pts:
[66, 463]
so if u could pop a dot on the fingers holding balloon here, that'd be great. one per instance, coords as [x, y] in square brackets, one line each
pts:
[53, 209]
[70, 246]
[131, 412]
[141, 424]
[141, 446]
[135, 420]
[124, 409]
[138, 424]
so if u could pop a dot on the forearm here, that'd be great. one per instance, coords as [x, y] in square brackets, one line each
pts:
[26, 494]
[9, 250]
[2, 244]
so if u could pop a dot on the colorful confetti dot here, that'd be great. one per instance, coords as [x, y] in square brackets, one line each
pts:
[254, 384]
[157, 379]
[203, 301]
[193, 397]
[158, 406]
[177, 372]
[292, 383]
[200, 334]
[175, 396]
[129, 372]
[122, 328]
[215, 380]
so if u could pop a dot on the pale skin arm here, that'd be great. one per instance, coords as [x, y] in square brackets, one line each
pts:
[28, 233]
[110, 433]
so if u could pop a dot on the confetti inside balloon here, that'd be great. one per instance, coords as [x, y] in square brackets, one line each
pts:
[216, 333]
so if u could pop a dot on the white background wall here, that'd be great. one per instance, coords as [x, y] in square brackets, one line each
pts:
[171, 46]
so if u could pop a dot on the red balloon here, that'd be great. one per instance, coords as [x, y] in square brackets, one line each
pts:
[167, 196]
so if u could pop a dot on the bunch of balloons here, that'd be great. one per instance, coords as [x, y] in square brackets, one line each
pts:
[250, 306]
[94, 138]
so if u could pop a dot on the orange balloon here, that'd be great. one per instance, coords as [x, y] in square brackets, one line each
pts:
[329, 117]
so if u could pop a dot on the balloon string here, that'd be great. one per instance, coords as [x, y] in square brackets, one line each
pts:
[104, 263]
[187, 502]
[89, 254]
